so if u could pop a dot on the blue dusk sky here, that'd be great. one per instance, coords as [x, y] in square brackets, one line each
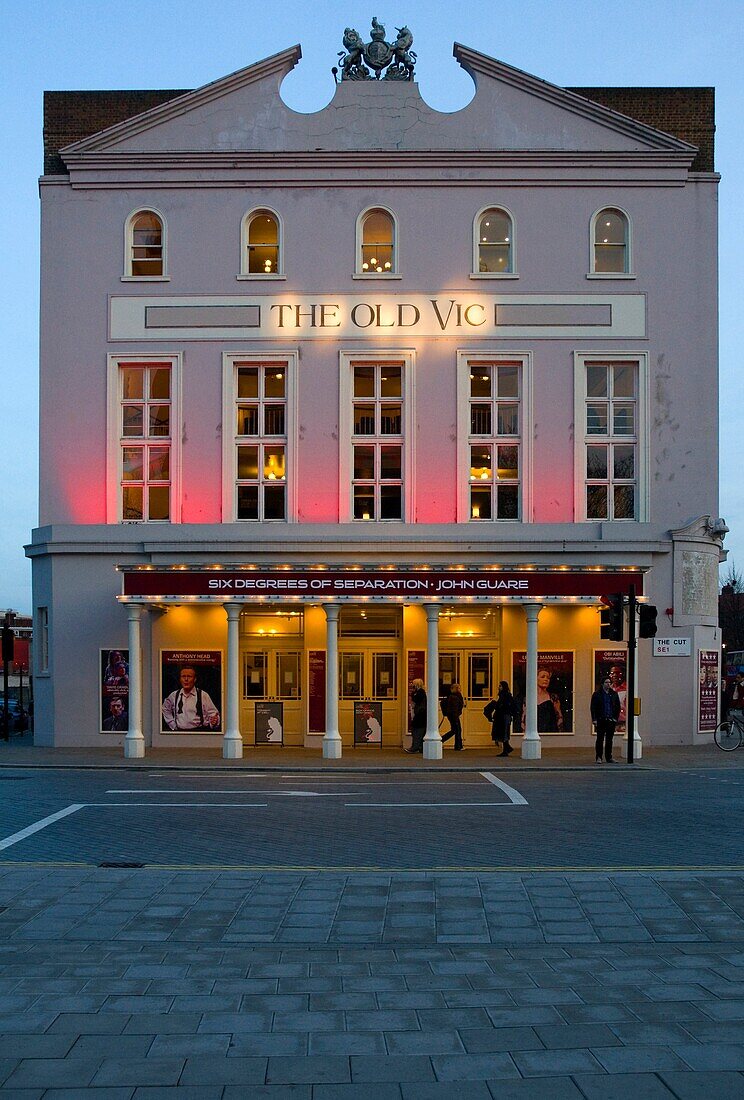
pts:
[99, 44]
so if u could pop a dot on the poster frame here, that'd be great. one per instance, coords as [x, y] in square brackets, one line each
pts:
[193, 654]
[710, 729]
[373, 706]
[622, 726]
[550, 733]
[123, 693]
[275, 705]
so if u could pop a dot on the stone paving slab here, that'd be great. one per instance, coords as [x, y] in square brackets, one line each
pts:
[126, 1016]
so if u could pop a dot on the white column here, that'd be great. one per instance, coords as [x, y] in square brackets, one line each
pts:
[134, 742]
[433, 738]
[332, 738]
[531, 748]
[232, 742]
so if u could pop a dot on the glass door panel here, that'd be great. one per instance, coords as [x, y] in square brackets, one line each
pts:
[449, 672]
[385, 675]
[479, 676]
[288, 684]
[352, 675]
[254, 676]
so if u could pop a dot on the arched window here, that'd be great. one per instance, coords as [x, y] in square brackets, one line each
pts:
[494, 242]
[610, 242]
[376, 243]
[145, 245]
[262, 244]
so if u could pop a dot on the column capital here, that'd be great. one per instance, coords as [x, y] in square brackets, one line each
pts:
[134, 612]
[432, 612]
[532, 611]
[332, 611]
[233, 610]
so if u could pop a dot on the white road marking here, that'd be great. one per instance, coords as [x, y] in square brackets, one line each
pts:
[510, 792]
[202, 791]
[493, 805]
[189, 805]
[37, 825]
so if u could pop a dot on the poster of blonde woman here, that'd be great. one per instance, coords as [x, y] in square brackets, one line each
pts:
[555, 687]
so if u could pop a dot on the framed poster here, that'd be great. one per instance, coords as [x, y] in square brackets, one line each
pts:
[191, 690]
[416, 670]
[555, 689]
[316, 690]
[708, 690]
[612, 665]
[367, 723]
[114, 690]
[269, 723]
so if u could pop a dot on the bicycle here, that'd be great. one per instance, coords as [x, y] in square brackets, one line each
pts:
[730, 733]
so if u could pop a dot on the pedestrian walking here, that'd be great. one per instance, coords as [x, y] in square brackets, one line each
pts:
[605, 711]
[499, 713]
[452, 708]
[418, 720]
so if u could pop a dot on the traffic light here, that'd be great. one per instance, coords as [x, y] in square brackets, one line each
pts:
[611, 618]
[646, 620]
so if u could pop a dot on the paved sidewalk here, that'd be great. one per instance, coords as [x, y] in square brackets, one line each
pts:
[20, 752]
[136, 983]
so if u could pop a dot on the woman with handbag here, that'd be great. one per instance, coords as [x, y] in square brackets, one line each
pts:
[499, 713]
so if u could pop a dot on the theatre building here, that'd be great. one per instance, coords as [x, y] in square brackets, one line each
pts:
[335, 401]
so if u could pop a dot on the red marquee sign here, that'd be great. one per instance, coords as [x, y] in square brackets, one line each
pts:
[448, 584]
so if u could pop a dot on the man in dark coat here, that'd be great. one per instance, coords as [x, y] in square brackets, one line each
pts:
[605, 711]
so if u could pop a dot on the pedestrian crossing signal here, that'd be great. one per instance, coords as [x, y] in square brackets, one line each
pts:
[611, 618]
[646, 620]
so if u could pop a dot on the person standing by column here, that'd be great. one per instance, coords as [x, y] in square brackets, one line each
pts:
[499, 713]
[452, 707]
[605, 711]
[418, 721]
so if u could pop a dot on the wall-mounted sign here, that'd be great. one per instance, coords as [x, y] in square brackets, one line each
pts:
[367, 723]
[114, 670]
[708, 690]
[350, 584]
[316, 689]
[612, 665]
[191, 690]
[555, 686]
[672, 647]
[348, 316]
[269, 723]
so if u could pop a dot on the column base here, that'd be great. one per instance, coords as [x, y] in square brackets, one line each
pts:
[232, 748]
[332, 748]
[531, 749]
[433, 749]
[134, 748]
[637, 749]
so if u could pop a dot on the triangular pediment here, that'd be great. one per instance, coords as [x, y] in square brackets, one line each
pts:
[510, 111]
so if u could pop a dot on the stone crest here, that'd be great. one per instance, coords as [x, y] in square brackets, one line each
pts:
[359, 57]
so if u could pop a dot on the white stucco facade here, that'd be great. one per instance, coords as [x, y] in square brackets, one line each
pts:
[550, 419]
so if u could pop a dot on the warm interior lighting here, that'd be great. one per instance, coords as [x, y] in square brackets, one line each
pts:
[476, 511]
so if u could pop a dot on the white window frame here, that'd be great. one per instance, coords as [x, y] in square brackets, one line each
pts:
[347, 360]
[474, 272]
[245, 223]
[628, 273]
[396, 269]
[464, 360]
[113, 435]
[230, 439]
[128, 277]
[583, 359]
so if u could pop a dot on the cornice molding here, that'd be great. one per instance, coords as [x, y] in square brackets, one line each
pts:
[278, 64]
[474, 62]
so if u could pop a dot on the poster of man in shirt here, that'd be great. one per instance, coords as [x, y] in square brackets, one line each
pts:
[114, 669]
[191, 690]
[612, 665]
[555, 687]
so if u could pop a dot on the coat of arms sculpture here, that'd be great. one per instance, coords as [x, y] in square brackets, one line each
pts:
[359, 57]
